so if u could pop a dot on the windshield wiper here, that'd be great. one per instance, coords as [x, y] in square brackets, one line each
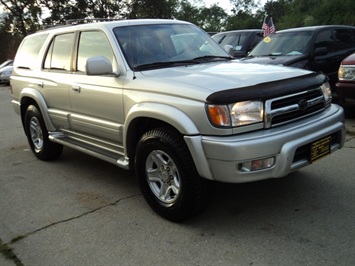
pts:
[271, 54]
[164, 64]
[214, 57]
[196, 60]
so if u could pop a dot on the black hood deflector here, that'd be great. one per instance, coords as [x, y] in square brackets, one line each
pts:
[268, 90]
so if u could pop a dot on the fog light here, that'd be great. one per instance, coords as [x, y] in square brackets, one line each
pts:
[256, 164]
[262, 164]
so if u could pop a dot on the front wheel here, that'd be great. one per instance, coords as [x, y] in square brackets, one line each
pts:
[37, 136]
[168, 177]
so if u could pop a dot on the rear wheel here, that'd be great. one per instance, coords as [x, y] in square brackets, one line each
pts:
[37, 136]
[168, 177]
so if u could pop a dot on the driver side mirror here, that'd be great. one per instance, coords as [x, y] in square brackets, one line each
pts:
[229, 49]
[320, 51]
[98, 65]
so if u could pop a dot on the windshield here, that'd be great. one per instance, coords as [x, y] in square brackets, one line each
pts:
[166, 44]
[281, 44]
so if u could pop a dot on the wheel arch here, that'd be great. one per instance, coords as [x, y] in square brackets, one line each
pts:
[143, 117]
[31, 96]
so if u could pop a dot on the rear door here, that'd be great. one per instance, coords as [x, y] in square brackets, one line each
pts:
[56, 77]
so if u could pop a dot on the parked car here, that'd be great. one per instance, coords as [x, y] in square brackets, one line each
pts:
[5, 74]
[140, 95]
[243, 41]
[7, 63]
[345, 86]
[317, 48]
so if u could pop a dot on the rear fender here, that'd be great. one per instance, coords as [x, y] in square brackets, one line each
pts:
[41, 103]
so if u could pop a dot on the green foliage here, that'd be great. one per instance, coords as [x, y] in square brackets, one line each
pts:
[152, 8]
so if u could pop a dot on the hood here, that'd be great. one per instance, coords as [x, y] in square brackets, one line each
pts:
[225, 75]
[201, 80]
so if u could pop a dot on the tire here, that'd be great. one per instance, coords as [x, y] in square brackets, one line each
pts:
[37, 136]
[168, 177]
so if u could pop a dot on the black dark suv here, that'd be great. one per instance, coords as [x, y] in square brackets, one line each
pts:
[243, 41]
[317, 48]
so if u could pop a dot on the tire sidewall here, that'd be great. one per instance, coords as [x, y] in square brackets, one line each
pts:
[49, 149]
[183, 205]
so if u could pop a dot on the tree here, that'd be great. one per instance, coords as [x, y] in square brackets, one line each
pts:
[24, 16]
[152, 8]
[213, 19]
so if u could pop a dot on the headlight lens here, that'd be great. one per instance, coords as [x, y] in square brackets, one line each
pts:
[346, 73]
[236, 114]
[327, 93]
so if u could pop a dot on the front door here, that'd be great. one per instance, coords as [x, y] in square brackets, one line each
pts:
[96, 101]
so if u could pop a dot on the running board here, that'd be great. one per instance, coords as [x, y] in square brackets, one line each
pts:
[94, 151]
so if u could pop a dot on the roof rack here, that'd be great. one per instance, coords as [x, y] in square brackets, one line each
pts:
[73, 22]
[88, 20]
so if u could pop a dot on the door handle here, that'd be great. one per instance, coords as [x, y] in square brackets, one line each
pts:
[76, 89]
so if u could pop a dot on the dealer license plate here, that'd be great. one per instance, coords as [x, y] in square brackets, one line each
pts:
[320, 148]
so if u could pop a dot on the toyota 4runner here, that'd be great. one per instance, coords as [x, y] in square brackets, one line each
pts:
[163, 98]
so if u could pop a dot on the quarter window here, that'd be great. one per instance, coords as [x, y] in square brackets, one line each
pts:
[29, 50]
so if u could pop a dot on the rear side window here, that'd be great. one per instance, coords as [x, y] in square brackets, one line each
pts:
[27, 54]
[93, 43]
[344, 39]
[59, 53]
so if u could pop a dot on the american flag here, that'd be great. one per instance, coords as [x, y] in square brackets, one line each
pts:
[268, 26]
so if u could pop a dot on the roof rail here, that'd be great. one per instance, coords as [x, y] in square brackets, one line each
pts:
[88, 20]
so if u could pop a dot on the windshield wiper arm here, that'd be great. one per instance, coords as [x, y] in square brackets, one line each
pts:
[208, 57]
[196, 60]
[165, 64]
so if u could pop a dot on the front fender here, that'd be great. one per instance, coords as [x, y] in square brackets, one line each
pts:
[38, 98]
[166, 113]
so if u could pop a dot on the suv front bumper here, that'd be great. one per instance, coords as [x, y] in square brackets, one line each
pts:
[221, 158]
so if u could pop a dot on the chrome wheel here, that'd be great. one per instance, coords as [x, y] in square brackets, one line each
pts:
[36, 134]
[162, 176]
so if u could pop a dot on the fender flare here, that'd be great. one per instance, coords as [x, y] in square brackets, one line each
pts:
[163, 112]
[39, 99]
[179, 120]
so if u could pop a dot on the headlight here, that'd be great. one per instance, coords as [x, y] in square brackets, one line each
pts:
[236, 114]
[327, 93]
[346, 73]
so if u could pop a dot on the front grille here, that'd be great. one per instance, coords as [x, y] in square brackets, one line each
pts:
[292, 107]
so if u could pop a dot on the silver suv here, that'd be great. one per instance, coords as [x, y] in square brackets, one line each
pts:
[163, 98]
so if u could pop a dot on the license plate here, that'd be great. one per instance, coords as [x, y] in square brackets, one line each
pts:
[320, 148]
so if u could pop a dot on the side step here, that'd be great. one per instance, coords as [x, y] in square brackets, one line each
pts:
[95, 151]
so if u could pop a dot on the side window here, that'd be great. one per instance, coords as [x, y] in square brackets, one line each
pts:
[92, 43]
[343, 39]
[324, 39]
[59, 53]
[257, 38]
[29, 50]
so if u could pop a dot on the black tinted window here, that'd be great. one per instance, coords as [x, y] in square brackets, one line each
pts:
[344, 39]
[324, 39]
[59, 54]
